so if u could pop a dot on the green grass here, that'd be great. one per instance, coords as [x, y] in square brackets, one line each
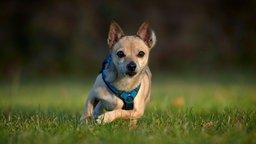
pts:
[182, 110]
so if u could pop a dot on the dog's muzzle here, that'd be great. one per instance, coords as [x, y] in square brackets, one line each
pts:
[131, 67]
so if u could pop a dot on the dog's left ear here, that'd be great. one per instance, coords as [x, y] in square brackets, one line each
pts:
[147, 34]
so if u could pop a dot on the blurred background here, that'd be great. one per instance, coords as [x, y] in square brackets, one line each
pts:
[51, 38]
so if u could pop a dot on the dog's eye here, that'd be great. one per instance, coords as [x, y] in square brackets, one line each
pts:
[141, 54]
[120, 54]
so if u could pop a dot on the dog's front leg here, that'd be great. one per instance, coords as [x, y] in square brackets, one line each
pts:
[115, 114]
[98, 110]
[88, 110]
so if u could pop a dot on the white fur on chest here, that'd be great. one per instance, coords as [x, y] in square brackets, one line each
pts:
[110, 101]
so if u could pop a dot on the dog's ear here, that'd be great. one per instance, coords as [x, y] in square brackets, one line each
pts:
[114, 34]
[147, 34]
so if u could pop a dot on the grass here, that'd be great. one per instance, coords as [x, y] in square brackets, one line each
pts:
[220, 109]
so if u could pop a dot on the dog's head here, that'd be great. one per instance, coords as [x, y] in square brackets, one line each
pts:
[130, 53]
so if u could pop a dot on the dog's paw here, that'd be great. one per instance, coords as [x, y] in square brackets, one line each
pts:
[86, 120]
[100, 119]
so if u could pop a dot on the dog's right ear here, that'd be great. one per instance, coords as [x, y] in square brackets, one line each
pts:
[114, 34]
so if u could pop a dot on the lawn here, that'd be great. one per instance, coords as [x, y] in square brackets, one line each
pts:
[183, 109]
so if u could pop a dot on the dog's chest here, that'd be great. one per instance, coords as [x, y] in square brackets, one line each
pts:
[112, 102]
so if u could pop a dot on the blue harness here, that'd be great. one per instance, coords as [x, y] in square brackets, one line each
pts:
[127, 97]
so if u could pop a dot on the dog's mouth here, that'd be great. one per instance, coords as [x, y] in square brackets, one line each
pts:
[131, 73]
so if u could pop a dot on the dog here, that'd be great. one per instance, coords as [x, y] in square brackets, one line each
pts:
[123, 87]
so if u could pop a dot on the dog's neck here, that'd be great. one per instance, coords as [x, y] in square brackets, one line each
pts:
[120, 81]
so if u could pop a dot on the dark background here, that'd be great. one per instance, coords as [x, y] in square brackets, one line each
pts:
[56, 38]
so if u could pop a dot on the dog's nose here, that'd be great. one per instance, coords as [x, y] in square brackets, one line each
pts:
[131, 66]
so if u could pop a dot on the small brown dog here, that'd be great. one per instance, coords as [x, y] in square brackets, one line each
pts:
[122, 89]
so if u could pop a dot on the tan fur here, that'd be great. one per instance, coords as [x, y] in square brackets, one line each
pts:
[101, 98]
